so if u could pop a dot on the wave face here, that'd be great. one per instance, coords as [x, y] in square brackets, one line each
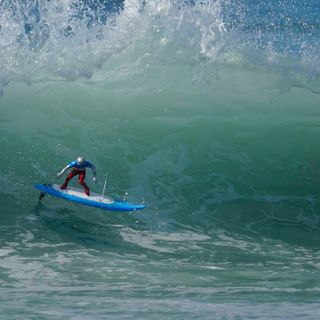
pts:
[206, 110]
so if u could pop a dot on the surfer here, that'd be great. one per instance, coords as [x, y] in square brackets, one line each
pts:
[78, 167]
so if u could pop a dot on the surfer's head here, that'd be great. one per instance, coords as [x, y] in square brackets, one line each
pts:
[80, 160]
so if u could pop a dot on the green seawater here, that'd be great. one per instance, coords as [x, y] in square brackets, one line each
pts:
[227, 162]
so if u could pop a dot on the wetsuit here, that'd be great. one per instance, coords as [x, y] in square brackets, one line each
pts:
[78, 169]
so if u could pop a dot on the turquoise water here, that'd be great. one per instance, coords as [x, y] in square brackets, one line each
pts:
[214, 127]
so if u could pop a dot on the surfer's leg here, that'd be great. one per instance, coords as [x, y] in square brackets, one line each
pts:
[69, 177]
[84, 185]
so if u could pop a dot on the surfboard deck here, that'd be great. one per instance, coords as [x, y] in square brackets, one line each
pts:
[94, 200]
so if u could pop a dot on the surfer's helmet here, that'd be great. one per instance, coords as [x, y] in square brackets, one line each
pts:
[80, 160]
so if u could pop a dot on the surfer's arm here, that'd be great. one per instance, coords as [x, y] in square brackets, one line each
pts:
[94, 172]
[63, 171]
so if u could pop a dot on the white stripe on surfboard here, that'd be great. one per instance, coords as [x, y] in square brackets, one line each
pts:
[80, 194]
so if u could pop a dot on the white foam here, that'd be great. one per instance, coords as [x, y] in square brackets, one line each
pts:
[162, 241]
[60, 44]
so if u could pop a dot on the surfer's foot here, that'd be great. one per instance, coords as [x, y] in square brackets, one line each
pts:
[63, 187]
[87, 193]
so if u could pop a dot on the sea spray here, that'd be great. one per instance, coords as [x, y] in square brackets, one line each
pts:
[73, 39]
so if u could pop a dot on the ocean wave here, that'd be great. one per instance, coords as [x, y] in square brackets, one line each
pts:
[73, 39]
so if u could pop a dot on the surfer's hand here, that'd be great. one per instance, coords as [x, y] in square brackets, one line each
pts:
[94, 179]
[59, 174]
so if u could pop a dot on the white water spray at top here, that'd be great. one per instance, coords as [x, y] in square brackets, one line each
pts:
[43, 40]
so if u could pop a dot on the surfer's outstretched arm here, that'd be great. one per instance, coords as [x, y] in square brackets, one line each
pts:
[62, 171]
[94, 172]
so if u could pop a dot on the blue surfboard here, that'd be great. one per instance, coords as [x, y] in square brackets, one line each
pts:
[94, 200]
